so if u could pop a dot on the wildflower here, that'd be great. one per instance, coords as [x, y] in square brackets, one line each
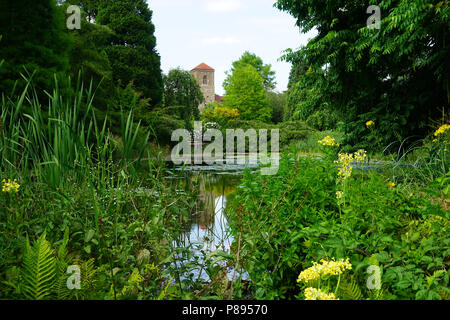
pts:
[442, 129]
[317, 294]
[339, 195]
[328, 141]
[391, 185]
[360, 155]
[346, 159]
[10, 186]
[310, 274]
[345, 171]
[369, 123]
[333, 268]
[326, 268]
[435, 140]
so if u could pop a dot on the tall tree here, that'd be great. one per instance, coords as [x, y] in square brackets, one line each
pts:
[90, 7]
[88, 55]
[181, 89]
[245, 91]
[265, 70]
[132, 52]
[33, 38]
[397, 76]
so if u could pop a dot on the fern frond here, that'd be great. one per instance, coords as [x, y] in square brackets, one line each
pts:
[39, 269]
[349, 289]
[445, 293]
[61, 290]
[88, 272]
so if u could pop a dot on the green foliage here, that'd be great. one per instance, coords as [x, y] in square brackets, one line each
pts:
[132, 52]
[349, 289]
[214, 112]
[90, 7]
[323, 119]
[277, 102]
[33, 40]
[181, 89]
[245, 92]
[371, 74]
[264, 70]
[163, 121]
[88, 55]
[60, 139]
[286, 222]
[38, 269]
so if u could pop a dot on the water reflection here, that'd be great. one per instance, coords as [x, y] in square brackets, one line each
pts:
[207, 228]
[208, 224]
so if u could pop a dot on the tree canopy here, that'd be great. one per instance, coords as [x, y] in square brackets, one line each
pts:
[181, 89]
[265, 70]
[132, 50]
[32, 38]
[245, 92]
[396, 76]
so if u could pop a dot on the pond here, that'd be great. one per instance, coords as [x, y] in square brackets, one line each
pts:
[207, 230]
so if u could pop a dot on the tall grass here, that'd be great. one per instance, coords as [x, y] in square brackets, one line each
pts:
[61, 140]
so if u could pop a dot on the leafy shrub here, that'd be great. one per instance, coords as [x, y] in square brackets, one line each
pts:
[214, 112]
[286, 221]
[323, 119]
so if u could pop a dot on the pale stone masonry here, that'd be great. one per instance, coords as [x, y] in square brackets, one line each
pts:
[204, 75]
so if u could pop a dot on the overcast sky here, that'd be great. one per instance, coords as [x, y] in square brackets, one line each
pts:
[217, 32]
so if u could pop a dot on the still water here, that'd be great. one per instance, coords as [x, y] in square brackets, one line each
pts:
[207, 230]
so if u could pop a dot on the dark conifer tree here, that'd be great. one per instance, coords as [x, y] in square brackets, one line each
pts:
[132, 53]
[33, 38]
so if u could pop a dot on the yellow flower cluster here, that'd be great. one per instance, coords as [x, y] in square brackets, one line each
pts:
[326, 268]
[317, 294]
[339, 195]
[328, 141]
[10, 186]
[360, 155]
[346, 159]
[369, 123]
[220, 112]
[442, 129]
[391, 185]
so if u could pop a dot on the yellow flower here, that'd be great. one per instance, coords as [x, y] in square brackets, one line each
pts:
[326, 268]
[391, 185]
[435, 140]
[360, 155]
[369, 123]
[442, 129]
[346, 159]
[328, 141]
[345, 171]
[10, 186]
[339, 195]
[317, 294]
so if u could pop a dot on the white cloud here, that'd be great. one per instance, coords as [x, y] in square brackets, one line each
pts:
[222, 5]
[220, 40]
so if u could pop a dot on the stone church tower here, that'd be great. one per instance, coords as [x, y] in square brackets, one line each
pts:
[204, 75]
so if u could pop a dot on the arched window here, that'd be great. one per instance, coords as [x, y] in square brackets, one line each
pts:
[205, 80]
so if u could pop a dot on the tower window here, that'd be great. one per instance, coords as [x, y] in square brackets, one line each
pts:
[205, 80]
